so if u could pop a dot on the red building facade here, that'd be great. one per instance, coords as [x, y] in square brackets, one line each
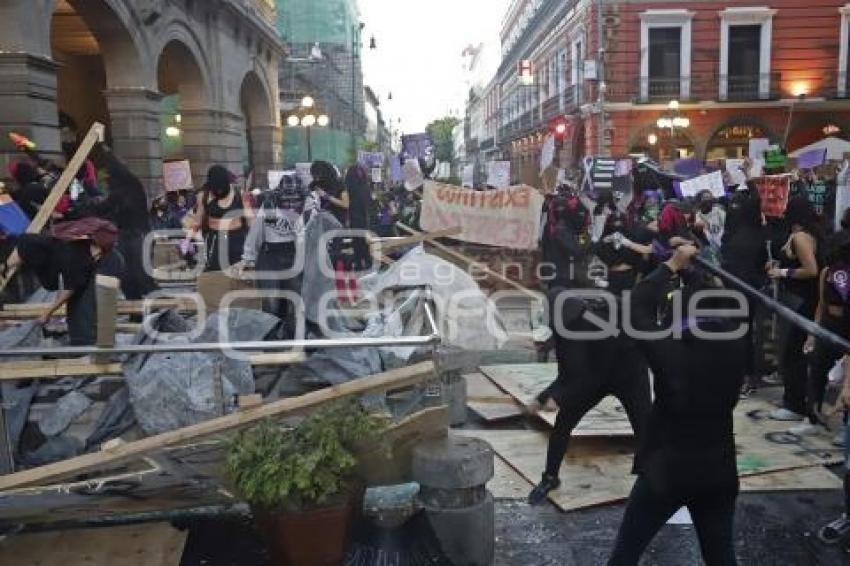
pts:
[737, 70]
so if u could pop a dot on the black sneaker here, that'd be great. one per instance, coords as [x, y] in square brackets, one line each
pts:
[835, 531]
[541, 491]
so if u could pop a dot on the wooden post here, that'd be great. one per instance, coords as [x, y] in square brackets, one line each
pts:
[38, 223]
[106, 293]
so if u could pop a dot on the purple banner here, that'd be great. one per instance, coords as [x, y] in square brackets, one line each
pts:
[688, 167]
[811, 159]
[396, 174]
[417, 146]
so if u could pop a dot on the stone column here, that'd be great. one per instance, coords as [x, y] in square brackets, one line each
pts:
[212, 137]
[28, 104]
[136, 132]
[266, 149]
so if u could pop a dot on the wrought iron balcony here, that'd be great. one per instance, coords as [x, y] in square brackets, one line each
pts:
[743, 88]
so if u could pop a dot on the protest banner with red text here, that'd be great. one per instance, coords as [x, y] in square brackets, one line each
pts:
[508, 218]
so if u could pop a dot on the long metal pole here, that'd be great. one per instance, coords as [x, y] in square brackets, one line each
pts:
[791, 316]
[251, 346]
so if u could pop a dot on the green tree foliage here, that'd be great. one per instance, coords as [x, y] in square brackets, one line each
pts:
[441, 133]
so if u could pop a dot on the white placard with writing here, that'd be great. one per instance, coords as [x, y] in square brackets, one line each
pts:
[177, 175]
[499, 174]
[712, 182]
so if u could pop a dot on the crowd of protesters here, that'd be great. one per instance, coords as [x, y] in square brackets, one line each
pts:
[644, 233]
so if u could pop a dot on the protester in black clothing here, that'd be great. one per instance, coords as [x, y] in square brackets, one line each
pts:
[127, 207]
[797, 273]
[743, 254]
[223, 220]
[330, 190]
[360, 206]
[68, 261]
[30, 192]
[833, 314]
[687, 454]
[591, 368]
[564, 240]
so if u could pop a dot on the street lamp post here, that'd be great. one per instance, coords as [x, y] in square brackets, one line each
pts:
[306, 118]
[672, 120]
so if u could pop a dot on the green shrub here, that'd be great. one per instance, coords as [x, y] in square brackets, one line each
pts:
[272, 467]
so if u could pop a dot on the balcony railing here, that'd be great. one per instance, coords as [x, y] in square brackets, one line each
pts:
[656, 89]
[742, 88]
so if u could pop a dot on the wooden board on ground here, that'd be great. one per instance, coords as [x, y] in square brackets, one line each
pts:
[598, 470]
[507, 483]
[489, 402]
[157, 544]
[525, 381]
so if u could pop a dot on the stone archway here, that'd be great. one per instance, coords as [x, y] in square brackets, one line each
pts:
[262, 134]
[663, 148]
[809, 128]
[186, 123]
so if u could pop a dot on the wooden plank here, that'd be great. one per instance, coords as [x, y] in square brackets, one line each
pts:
[507, 483]
[525, 381]
[390, 243]
[34, 310]
[468, 261]
[396, 378]
[489, 402]
[51, 369]
[156, 544]
[378, 468]
[38, 223]
[495, 411]
[106, 297]
[812, 477]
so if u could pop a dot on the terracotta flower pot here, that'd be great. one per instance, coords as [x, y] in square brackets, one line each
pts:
[312, 537]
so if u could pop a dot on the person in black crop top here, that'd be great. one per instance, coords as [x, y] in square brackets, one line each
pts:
[833, 313]
[797, 273]
[223, 220]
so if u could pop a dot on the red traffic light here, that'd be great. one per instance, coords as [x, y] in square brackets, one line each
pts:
[560, 127]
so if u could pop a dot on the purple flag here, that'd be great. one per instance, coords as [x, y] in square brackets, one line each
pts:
[688, 167]
[811, 159]
[396, 174]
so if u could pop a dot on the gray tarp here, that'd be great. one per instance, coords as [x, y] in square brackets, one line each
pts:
[317, 285]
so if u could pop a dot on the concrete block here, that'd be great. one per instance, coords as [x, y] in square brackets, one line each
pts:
[453, 463]
[466, 535]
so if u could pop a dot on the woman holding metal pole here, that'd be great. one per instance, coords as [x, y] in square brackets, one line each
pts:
[687, 454]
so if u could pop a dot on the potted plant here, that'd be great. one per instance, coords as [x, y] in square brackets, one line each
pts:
[301, 483]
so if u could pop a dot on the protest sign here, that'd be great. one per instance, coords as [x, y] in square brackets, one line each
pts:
[302, 171]
[773, 192]
[499, 174]
[816, 194]
[711, 182]
[274, 178]
[547, 152]
[396, 174]
[757, 147]
[370, 159]
[688, 167]
[811, 159]
[508, 217]
[842, 192]
[377, 176]
[774, 159]
[468, 178]
[177, 175]
[413, 177]
[735, 169]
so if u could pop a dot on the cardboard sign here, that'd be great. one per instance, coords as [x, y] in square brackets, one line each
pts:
[413, 177]
[711, 182]
[177, 175]
[274, 178]
[370, 159]
[547, 152]
[499, 174]
[377, 176]
[468, 178]
[302, 170]
[774, 191]
[735, 169]
[757, 147]
[509, 217]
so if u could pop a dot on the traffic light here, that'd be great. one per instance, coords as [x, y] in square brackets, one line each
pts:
[560, 127]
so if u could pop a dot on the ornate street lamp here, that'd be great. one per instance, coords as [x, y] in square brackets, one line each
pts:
[306, 118]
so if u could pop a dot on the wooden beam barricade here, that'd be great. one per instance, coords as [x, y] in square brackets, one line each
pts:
[385, 244]
[117, 454]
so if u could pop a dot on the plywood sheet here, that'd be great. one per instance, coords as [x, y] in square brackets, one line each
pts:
[814, 477]
[494, 411]
[157, 544]
[489, 402]
[525, 381]
[507, 483]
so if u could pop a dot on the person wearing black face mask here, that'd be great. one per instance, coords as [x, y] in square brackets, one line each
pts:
[710, 220]
[223, 220]
[589, 369]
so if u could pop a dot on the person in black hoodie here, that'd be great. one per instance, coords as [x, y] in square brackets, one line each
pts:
[687, 454]
[126, 205]
[591, 368]
[30, 193]
[360, 205]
